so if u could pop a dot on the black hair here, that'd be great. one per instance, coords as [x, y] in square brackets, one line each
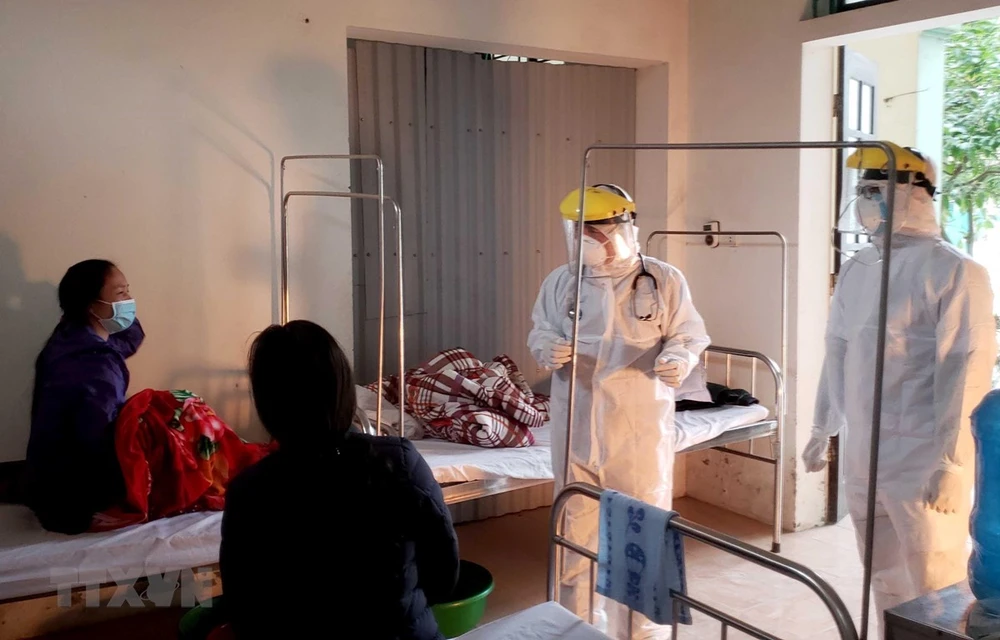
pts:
[81, 287]
[302, 386]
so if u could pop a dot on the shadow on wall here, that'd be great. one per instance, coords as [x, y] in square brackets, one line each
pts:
[216, 126]
[320, 267]
[29, 312]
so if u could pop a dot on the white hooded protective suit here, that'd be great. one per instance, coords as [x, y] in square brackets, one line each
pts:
[623, 427]
[940, 352]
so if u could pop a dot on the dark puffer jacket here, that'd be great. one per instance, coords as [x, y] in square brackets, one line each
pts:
[350, 543]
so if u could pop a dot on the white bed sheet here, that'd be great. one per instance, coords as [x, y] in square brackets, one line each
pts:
[452, 462]
[34, 561]
[696, 427]
[548, 621]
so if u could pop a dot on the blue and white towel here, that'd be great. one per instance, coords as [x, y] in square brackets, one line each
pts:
[639, 559]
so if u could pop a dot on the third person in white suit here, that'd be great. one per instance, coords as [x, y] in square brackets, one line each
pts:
[639, 337]
[940, 352]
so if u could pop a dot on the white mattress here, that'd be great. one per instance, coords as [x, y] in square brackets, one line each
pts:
[548, 621]
[696, 427]
[453, 462]
[34, 561]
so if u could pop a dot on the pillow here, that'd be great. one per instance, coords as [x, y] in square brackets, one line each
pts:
[368, 402]
[695, 386]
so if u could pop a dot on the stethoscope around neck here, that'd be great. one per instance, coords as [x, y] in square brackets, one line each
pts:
[646, 314]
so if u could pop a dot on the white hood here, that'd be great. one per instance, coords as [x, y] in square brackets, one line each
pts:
[916, 209]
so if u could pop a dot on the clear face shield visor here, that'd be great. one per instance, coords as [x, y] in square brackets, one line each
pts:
[605, 244]
[864, 215]
[871, 206]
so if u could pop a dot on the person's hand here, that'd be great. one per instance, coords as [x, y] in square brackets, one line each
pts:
[815, 455]
[944, 492]
[556, 354]
[671, 370]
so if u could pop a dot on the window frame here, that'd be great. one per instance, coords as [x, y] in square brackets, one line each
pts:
[840, 6]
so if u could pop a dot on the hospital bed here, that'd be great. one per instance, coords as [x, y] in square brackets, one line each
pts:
[35, 562]
[467, 472]
[551, 621]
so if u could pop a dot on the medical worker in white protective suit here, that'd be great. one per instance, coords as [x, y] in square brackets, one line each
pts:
[940, 351]
[639, 337]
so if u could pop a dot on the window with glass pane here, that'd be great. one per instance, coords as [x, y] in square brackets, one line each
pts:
[859, 124]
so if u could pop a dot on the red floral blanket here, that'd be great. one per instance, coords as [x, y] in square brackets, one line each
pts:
[461, 399]
[176, 456]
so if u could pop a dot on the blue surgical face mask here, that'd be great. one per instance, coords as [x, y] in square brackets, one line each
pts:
[122, 316]
[872, 212]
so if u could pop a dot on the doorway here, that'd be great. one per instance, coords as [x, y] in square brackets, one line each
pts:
[480, 149]
[930, 90]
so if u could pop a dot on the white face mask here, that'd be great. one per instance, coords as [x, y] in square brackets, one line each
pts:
[872, 206]
[871, 213]
[595, 254]
[604, 245]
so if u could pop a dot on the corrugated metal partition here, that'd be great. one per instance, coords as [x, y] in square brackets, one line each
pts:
[480, 153]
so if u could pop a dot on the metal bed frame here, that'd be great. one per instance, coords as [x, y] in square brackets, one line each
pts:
[361, 419]
[752, 432]
[773, 428]
[559, 544]
[886, 255]
[453, 492]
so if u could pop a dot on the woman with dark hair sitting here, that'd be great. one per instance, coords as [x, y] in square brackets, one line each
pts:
[81, 379]
[336, 532]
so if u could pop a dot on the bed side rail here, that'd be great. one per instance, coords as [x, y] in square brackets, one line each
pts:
[736, 359]
[739, 359]
[799, 573]
[752, 360]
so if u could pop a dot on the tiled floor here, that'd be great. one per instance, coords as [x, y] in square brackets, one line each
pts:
[515, 550]
[750, 593]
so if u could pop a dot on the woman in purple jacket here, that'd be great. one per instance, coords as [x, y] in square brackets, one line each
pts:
[80, 384]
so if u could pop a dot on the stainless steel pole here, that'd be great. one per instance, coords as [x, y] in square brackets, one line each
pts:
[402, 317]
[360, 196]
[381, 249]
[883, 311]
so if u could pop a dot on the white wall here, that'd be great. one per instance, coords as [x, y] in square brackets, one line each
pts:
[753, 79]
[150, 132]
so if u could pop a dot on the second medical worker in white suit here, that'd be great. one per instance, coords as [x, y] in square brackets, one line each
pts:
[940, 352]
[639, 337]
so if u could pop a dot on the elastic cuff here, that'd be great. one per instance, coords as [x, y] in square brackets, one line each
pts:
[680, 354]
[819, 431]
[950, 467]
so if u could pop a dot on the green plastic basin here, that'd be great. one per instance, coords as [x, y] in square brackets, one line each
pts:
[467, 603]
[202, 620]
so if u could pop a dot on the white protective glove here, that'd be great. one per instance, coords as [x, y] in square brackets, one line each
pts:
[556, 354]
[672, 370]
[815, 455]
[944, 492]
